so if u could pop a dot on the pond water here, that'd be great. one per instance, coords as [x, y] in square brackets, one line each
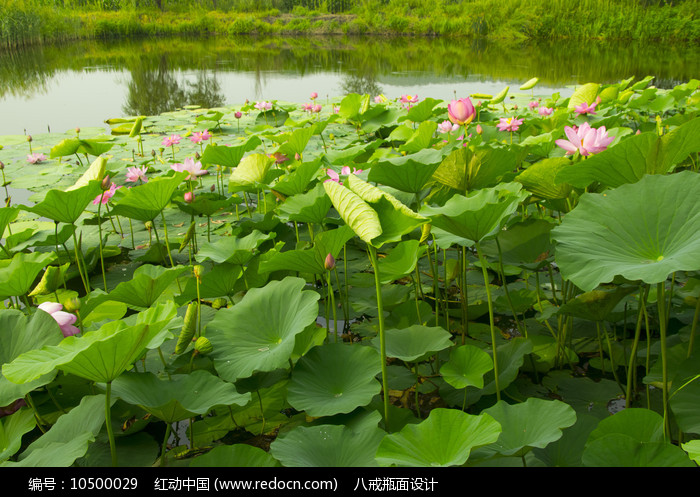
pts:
[82, 84]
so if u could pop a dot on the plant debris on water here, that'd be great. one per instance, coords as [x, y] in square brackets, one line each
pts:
[496, 280]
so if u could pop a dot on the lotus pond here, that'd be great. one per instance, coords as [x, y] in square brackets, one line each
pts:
[499, 280]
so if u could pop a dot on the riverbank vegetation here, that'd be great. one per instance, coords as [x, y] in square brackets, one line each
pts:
[26, 22]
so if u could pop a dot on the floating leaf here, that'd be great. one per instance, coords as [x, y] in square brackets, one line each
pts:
[415, 343]
[466, 367]
[146, 201]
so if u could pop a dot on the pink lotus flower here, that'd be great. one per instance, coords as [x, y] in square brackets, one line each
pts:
[314, 95]
[238, 114]
[133, 174]
[336, 110]
[461, 111]
[447, 126]
[584, 108]
[263, 106]
[192, 167]
[107, 196]
[408, 99]
[200, 136]
[307, 107]
[35, 158]
[509, 124]
[585, 139]
[279, 157]
[545, 111]
[345, 171]
[171, 140]
[533, 104]
[316, 108]
[64, 319]
[189, 197]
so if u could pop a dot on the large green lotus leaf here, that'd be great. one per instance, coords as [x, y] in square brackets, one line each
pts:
[251, 172]
[334, 378]
[400, 261]
[595, 305]
[96, 172]
[395, 218]
[415, 343]
[146, 285]
[356, 213]
[144, 202]
[533, 423]
[334, 446]
[310, 261]
[310, 207]
[511, 357]
[538, 178]
[258, 333]
[233, 250]
[466, 169]
[445, 438]
[68, 439]
[297, 141]
[71, 146]
[466, 367]
[422, 111]
[7, 215]
[207, 204]
[617, 450]
[409, 173]
[421, 138]
[297, 181]
[643, 425]
[583, 94]
[685, 395]
[12, 428]
[480, 215]
[20, 334]
[228, 156]
[622, 233]
[137, 450]
[235, 456]
[66, 207]
[524, 244]
[179, 397]
[632, 158]
[100, 355]
[18, 276]
[567, 451]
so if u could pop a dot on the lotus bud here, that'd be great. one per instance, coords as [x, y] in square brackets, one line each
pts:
[8, 200]
[479, 130]
[297, 156]
[198, 272]
[72, 304]
[148, 225]
[29, 138]
[639, 132]
[314, 95]
[189, 197]
[106, 183]
[2, 165]
[515, 107]
[77, 131]
[188, 329]
[203, 346]
[329, 263]
[153, 153]
[238, 114]
[212, 188]
[461, 111]
[197, 156]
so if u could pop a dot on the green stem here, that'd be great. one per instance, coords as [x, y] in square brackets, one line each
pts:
[382, 338]
[521, 329]
[78, 259]
[102, 259]
[482, 259]
[661, 303]
[331, 295]
[167, 243]
[635, 344]
[108, 423]
[163, 460]
[694, 327]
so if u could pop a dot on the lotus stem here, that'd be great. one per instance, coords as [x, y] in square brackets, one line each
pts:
[331, 296]
[163, 460]
[484, 270]
[643, 293]
[661, 303]
[108, 423]
[382, 337]
[694, 327]
[99, 228]
[521, 329]
[167, 244]
[78, 259]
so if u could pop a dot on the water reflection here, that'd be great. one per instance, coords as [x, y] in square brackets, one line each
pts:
[152, 76]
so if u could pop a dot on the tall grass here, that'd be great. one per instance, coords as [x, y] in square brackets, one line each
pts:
[25, 22]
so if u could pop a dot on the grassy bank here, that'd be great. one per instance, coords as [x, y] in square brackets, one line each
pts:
[26, 22]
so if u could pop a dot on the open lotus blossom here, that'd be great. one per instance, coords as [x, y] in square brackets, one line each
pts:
[307, 107]
[107, 196]
[461, 111]
[35, 158]
[584, 108]
[64, 319]
[509, 124]
[380, 99]
[316, 108]
[408, 99]
[447, 126]
[585, 139]
[336, 109]
[545, 111]
[171, 140]
[190, 166]
[200, 136]
[344, 171]
[263, 106]
[133, 174]
[533, 104]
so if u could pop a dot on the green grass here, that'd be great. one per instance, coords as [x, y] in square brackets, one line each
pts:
[26, 22]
